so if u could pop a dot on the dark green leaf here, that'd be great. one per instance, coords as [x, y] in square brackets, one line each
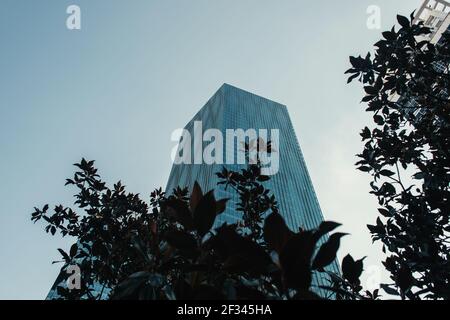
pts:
[404, 22]
[295, 259]
[205, 213]
[65, 255]
[196, 195]
[182, 241]
[276, 232]
[351, 269]
[73, 250]
[327, 252]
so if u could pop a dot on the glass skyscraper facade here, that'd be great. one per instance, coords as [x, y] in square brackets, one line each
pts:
[233, 108]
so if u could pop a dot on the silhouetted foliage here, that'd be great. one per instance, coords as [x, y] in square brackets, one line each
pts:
[407, 154]
[169, 249]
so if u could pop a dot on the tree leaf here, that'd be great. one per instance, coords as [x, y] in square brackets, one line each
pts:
[404, 278]
[221, 205]
[403, 21]
[365, 134]
[324, 228]
[129, 288]
[182, 241]
[65, 255]
[262, 178]
[295, 260]
[179, 211]
[364, 168]
[352, 77]
[275, 231]
[240, 254]
[386, 173]
[351, 269]
[327, 252]
[205, 213]
[196, 195]
[73, 250]
[388, 289]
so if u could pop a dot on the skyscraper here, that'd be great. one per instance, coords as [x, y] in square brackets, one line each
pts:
[435, 14]
[233, 108]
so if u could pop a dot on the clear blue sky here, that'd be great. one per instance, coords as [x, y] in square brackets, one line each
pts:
[115, 90]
